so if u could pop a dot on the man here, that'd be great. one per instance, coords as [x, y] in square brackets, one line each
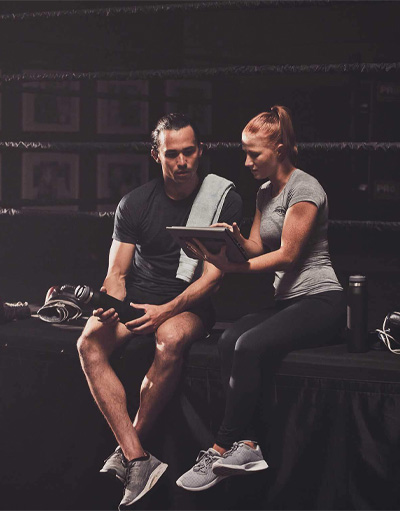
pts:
[143, 264]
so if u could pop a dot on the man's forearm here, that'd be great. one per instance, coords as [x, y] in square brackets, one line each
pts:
[115, 285]
[206, 285]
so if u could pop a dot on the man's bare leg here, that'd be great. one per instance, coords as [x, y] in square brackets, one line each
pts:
[95, 346]
[161, 380]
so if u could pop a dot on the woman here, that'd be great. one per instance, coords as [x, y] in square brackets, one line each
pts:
[288, 237]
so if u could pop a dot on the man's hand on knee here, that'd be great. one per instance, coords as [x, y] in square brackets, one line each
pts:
[154, 316]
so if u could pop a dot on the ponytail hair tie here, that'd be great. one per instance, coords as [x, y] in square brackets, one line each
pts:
[274, 110]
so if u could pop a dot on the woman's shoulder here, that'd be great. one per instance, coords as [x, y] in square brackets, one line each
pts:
[301, 175]
[305, 187]
[301, 179]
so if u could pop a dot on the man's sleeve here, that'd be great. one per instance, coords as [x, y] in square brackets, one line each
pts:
[232, 210]
[125, 228]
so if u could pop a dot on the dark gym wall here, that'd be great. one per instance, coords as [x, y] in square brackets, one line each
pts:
[327, 107]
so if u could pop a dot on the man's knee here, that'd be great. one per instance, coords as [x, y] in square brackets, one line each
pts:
[89, 351]
[171, 342]
[91, 344]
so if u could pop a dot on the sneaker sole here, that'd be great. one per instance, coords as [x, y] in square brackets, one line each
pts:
[112, 474]
[226, 470]
[201, 488]
[154, 477]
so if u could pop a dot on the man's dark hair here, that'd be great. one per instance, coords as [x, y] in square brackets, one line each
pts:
[174, 121]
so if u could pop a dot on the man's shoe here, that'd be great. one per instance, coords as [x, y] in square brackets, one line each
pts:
[141, 476]
[114, 465]
[240, 459]
[201, 476]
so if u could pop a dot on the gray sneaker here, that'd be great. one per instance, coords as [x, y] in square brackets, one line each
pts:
[201, 476]
[240, 459]
[114, 465]
[141, 476]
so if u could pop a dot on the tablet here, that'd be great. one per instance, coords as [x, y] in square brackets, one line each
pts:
[212, 238]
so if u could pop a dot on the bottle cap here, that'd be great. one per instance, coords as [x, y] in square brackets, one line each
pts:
[357, 278]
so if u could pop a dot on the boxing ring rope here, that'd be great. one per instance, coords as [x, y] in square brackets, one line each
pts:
[197, 73]
[168, 8]
[353, 225]
[144, 147]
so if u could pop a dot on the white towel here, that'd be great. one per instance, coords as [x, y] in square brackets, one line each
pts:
[205, 211]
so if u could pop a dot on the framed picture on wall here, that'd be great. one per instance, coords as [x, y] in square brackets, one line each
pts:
[49, 108]
[118, 174]
[50, 176]
[123, 107]
[193, 98]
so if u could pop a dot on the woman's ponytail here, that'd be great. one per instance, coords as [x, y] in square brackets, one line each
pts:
[288, 138]
[277, 126]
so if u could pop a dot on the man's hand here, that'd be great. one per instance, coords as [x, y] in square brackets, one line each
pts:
[108, 317]
[154, 316]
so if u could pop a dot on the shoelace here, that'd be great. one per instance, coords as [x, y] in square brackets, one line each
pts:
[234, 448]
[204, 460]
[117, 452]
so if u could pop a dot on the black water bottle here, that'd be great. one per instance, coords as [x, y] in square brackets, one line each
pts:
[357, 314]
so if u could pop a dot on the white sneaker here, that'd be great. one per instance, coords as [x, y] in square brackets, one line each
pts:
[201, 476]
[240, 459]
[141, 476]
[114, 465]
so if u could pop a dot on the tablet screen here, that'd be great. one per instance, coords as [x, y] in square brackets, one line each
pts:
[212, 237]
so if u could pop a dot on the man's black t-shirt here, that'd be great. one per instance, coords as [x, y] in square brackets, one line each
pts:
[141, 219]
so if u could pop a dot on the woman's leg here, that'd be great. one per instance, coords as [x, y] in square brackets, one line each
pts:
[302, 323]
[253, 344]
[228, 339]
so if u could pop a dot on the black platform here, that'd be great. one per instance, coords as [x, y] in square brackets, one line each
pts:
[331, 443]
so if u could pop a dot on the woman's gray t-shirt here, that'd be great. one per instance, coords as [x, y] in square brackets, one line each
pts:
[313, 272]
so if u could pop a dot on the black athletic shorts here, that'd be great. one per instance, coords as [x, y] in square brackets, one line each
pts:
[204, 310]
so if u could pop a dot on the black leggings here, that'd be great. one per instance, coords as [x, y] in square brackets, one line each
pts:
[258, 342]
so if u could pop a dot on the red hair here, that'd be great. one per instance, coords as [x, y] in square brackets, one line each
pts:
[277, 126]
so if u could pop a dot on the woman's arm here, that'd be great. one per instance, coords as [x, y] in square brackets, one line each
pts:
[253, 245]
[299, 221]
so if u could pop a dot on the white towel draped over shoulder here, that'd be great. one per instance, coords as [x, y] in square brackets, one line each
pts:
[205, 211]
